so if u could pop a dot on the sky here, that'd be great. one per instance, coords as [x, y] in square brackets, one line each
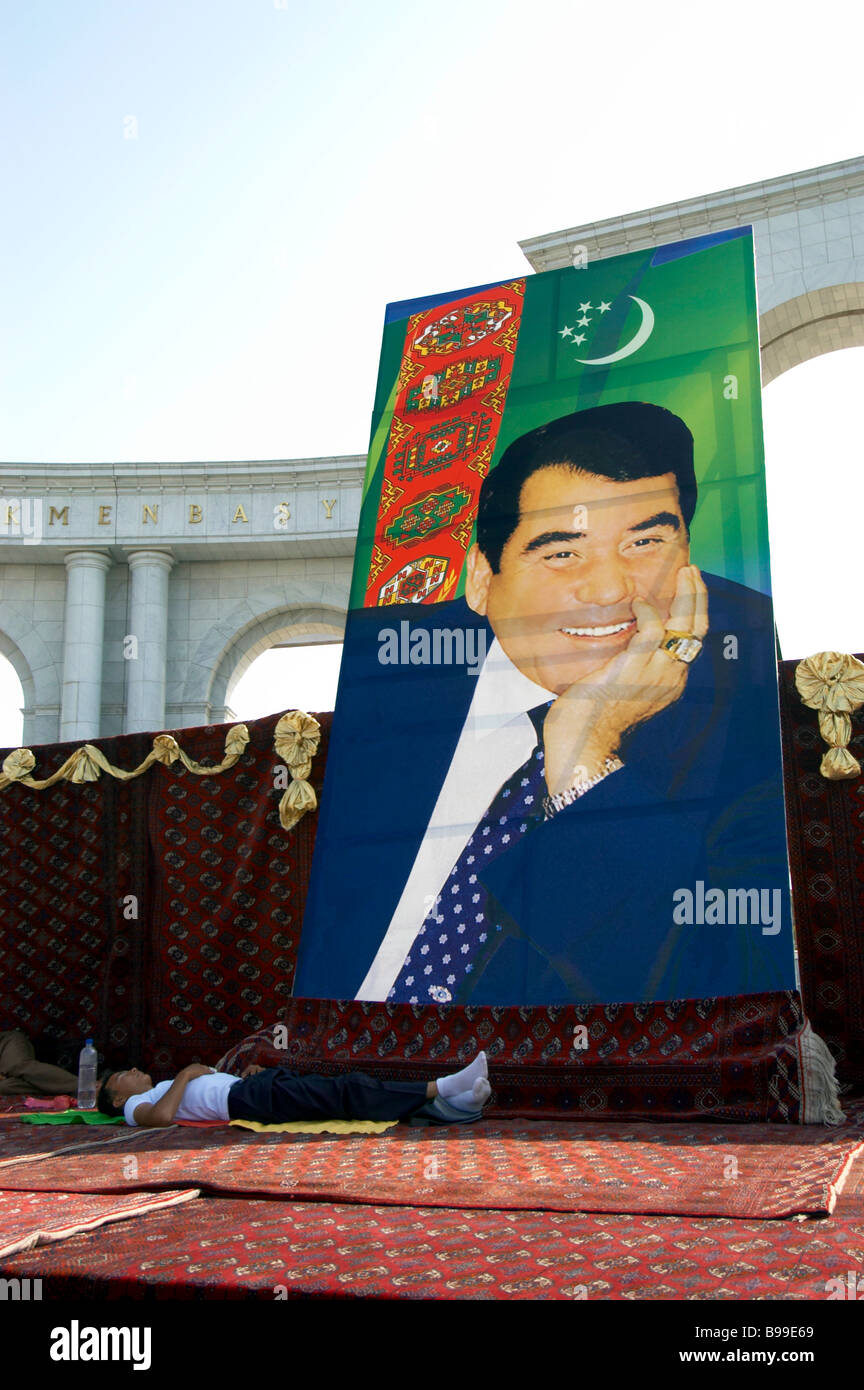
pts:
[209, 203]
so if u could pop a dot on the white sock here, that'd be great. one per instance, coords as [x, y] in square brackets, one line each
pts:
[474, 1099]
[450, 1086]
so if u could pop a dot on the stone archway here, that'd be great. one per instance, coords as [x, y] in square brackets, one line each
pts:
[9, 676]
[818, 322]
[286, 628]
[231, 644]
[34, 665]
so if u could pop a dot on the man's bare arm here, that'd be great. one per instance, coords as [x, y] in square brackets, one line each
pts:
[149, 1116]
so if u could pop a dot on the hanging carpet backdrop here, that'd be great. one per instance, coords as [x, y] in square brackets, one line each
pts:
[219, 888]
[825, 827]
[160, 915]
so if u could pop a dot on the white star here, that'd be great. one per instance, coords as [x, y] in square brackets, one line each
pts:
[442, 938]
[424, 950]
[409, 979]
[584, 307]
[482, 936]
[564, 332]
[428, 970]
[451, 979]
[579, 338]
[465, 949]
[446, 960]
[603, 307]
[583, 322]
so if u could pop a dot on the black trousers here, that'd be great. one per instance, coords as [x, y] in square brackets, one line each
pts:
[277, 1095]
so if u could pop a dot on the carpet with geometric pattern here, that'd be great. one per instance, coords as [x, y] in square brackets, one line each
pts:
[32, 1218]
[223, 1248]
[764, 1170]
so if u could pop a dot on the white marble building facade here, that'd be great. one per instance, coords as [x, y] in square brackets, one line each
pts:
[132, 597]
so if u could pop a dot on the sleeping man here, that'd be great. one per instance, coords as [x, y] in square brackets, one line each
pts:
[274, 1095]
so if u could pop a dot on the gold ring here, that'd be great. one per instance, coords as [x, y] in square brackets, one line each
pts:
[681, 646]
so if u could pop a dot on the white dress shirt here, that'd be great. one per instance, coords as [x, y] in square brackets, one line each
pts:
[497, 738]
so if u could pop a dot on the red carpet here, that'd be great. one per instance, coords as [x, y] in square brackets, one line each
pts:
[223, 1249]
[693, 1170]
[29, 1218]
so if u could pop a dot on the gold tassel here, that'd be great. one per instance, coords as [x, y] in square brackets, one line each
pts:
[833, 684]
[296, 738]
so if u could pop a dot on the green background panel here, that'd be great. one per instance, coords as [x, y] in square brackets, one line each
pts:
[705, 332]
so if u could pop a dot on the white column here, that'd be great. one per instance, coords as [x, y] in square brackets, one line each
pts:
[148, 655]
[83, 633]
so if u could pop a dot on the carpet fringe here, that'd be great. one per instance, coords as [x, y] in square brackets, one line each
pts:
[820, 1092]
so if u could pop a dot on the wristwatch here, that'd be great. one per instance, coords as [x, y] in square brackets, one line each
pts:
[553, 804]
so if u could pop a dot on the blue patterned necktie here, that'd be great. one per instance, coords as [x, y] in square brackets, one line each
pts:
[457, 928]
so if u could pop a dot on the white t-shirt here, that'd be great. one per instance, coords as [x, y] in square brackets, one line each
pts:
[205, 1098]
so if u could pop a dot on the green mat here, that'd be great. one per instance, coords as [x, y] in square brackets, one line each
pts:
[71, 1117]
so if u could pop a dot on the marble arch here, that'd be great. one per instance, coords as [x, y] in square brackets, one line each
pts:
[30, 657]
[264, 620]
[822, 320]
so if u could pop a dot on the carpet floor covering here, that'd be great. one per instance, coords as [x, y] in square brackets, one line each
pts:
[28, 1219]
[745, 1171]
[227, 1248]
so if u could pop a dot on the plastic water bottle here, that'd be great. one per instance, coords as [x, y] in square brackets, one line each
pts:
[87, 1063]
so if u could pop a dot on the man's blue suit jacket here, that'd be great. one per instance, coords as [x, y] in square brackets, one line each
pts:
[586, 898]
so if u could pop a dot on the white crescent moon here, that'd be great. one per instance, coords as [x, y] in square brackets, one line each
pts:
[643, 333]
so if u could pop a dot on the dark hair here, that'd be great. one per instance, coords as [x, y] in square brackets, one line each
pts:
[621, 442]
[104, 1103]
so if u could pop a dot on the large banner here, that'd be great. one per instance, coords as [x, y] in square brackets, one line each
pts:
[554, 775]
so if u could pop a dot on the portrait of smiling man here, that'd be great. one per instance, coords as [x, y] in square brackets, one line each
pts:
[532, 823]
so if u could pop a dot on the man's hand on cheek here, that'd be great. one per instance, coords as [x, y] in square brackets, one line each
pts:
[587, 722]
